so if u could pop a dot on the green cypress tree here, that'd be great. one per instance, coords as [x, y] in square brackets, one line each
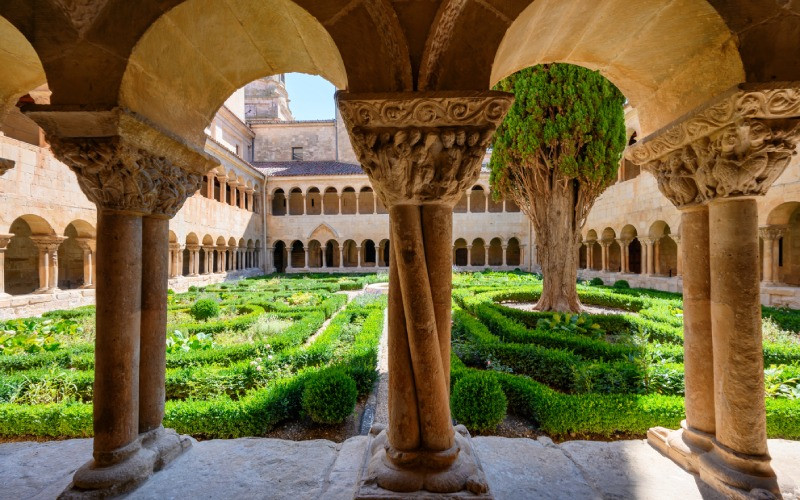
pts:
[557, 150]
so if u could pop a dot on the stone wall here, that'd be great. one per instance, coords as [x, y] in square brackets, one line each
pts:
[274, 141]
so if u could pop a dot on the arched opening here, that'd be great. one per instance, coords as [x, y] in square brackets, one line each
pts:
[665, 250]
[278, 202]
[495, 206]
[477, 200]
[349, 204]
[330, 201]
[370, 255]
[191, 243]
[298, 255]
[477, 253]
[332, 254]
[460, 253]
[379, 206]
[612, 250]
[582, 257]
[635, 256]
[785, 263]
[384, 252]
[350, 253]
[513, 253]
[296, 204]
[279, 257]
[313, 202]
[314, 254]
[74, 255]
[23, 258]
[461, 205]
[511, 206]
[366, 201]
[495, 252]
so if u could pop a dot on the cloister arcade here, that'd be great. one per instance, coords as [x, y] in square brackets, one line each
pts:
[140, 86]
[361, 200]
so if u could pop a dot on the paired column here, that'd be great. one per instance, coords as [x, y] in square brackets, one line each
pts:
[5, 239]
[136, 191]
[647, 255]
[624, 248]
[604, 246]
[88, 246]
[421, 152]
[771, 236]
[713, 165]
[48, 262]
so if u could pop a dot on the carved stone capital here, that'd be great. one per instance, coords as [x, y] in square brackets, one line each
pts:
[123, 163]
[624, 242]
[6, 165]
[47, 243]
[422, 147]
[737, 145]
[646, 240]
[772, 232]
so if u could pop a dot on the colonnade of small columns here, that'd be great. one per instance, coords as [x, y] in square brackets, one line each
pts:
[483, 203]
[651, 255]
[242, 195]
[47, 261]
[216, 259]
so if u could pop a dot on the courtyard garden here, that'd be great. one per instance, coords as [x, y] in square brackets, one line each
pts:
[251, 357]
[612, 373]
[241, 357]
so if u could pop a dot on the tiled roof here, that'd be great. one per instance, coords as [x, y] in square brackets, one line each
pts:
[306, 168]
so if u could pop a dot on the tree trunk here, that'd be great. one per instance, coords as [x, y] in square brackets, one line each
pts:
[557, 238]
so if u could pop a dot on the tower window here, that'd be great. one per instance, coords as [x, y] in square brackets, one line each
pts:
[297, 154]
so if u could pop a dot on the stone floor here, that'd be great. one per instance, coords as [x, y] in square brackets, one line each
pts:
[271, 468]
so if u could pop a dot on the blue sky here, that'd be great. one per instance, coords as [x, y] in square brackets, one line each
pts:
[310, 97]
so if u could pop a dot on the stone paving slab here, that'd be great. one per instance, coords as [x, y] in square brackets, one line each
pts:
[279, 469]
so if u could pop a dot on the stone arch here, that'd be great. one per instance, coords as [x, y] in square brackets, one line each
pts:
[208, 240]
[173, 238]
[384, 253]
[295, 202]
[513, 253]
[80, 236]
[478, 253]
[314, 254]
[629, 232]
[665, 250]
[662, 81]
[349, 203]
[188, 35]
[460, 253]
[21, 263]
[332, 253]
[279, 256]
[313, 201]
[279, 204]
[494, 206]
[28, 74]
[350, 253]
[366, 201]
[298, 254]
[609, 236]
[477, 199]
[786, 248]
[323, 232]
[494, 255]
[330, 201]
[369, 254]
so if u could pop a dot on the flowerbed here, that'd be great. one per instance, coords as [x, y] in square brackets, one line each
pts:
[237, 373]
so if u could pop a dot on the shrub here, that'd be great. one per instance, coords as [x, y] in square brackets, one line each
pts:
[204, 309]
[596, 282]
[621, 284]
[478, 401]
[330, 397]
[192, 288]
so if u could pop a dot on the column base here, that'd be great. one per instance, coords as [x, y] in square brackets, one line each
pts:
[683, 446]
[151, 452]
[380, 478]
[739, 476]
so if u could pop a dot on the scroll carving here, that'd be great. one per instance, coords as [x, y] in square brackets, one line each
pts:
[736, 147]
[117, 176]
[420, 150]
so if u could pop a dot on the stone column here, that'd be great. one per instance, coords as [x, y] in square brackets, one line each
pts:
[210, 185]
[128, 181]
[52, 274]
[358, 206]
[725, 155]
[590, 254]
[88, 247]
[771, 235]
[340, 204]
[341, 257]
[176, 252]
[604, 255]
[5, 239]
[505, 255]
[324, 256]
[679, 264]
[469, 201]
[304, 204]
[421, 151]
[223, 182]
[469, 255]
[625, 263]
[657, 256]
[647, 255]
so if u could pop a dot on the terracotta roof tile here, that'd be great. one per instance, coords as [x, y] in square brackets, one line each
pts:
[306, 168]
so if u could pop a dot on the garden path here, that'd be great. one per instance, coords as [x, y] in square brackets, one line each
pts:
[280, 469]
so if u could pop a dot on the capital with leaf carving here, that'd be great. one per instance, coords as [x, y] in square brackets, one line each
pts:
[122, 162]
[771, 233]
[736, 145]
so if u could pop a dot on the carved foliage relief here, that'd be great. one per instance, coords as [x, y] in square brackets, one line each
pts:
[737, 147]
[426, 149]
[118, 176]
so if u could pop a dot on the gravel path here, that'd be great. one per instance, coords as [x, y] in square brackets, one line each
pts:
[382, 393]
[587, 308]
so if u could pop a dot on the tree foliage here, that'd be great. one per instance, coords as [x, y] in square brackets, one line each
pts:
[567, 122]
